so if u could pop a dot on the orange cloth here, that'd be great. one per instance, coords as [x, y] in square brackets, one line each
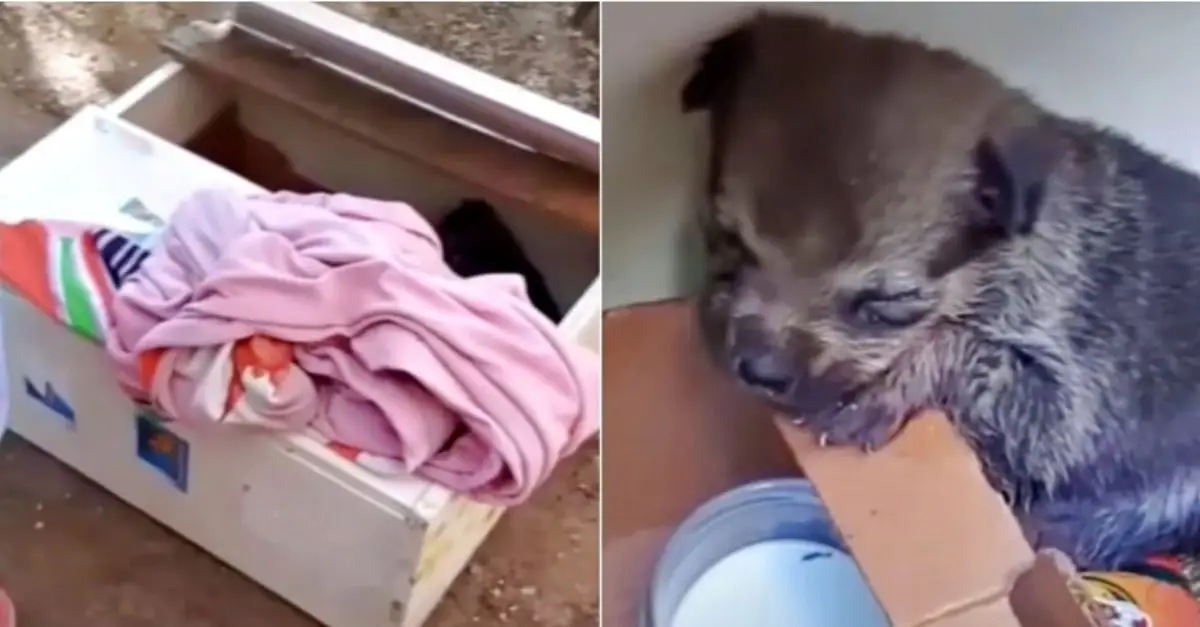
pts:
[1136, 600]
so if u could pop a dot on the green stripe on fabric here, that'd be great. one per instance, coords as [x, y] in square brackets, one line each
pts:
[77, 304]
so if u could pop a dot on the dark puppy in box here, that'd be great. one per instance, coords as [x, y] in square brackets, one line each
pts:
[893, 228]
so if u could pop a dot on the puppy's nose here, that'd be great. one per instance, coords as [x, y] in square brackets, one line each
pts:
[766, 372]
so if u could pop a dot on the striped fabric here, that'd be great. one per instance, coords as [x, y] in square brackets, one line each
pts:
[120, 254]
[67, 272]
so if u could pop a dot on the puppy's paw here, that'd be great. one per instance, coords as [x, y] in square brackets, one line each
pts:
[868, 420]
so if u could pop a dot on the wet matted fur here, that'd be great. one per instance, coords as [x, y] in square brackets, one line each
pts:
[892, 227]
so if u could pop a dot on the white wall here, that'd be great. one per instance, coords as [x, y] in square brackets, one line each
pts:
[1134, 66]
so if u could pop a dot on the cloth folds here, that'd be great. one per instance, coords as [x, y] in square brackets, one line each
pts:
[338, 313]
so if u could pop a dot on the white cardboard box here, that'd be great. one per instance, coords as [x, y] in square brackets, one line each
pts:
[350, 548]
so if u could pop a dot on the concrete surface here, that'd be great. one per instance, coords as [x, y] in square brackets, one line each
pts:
[529, 43]
[72, 554]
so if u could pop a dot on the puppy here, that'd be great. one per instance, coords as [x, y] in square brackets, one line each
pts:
[893, 228]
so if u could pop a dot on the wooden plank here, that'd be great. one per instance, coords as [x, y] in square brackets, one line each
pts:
[498, 170]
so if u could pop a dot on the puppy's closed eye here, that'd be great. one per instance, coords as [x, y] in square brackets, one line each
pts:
[881, 309]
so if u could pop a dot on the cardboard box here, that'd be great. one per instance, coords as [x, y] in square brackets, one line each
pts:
[347, 546]
[677, 433]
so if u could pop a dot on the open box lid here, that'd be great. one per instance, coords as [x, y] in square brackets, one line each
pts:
[426, 77]
[520, 147]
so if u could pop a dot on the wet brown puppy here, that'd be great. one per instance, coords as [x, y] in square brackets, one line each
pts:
[848, 195]
[892, 227]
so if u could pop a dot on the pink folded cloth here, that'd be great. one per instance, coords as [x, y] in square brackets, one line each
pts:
[8, 613]
[457, 380]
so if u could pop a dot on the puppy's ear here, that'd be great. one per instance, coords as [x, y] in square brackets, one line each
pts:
[719, 67]
[1012, 170]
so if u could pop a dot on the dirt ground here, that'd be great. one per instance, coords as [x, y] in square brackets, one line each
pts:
[72, 554]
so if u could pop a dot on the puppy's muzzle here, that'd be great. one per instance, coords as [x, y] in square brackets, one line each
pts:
[779, 374]
[764, 370]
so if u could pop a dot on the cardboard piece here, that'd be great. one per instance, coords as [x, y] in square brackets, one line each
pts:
[677, 433]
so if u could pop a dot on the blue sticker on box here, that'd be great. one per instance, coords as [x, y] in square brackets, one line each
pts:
[162, 449]
[50, 399]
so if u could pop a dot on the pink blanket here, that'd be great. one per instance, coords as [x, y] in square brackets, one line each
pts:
[460, 381]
